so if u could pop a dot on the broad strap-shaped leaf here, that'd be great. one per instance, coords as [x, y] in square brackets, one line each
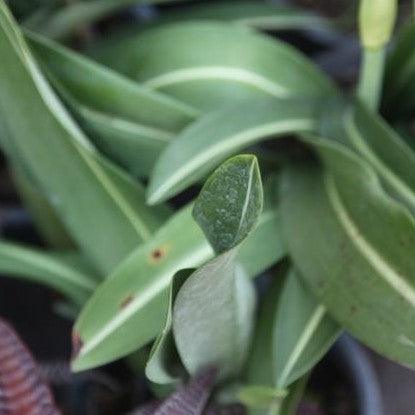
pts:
[163, 365]
[382, 147]
[129, 123]
[241, 64]
[55, 272]
[129, 309]
[208, 142]
[351, 243]
[47, 222]
[302, 332]
[261, 15]
[192, 398]
[293, 333]
[22, 389]
[110, 92]
[230, 202]
[109, 217]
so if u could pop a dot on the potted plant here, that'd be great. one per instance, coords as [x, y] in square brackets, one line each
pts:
[141, 160]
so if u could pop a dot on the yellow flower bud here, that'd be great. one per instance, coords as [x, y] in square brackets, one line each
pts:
[376, 22]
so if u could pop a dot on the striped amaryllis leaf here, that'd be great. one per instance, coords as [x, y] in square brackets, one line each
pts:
[383, 148]
[22, 389]
[108, 218]
[351, 243]
[293, 332]
[129, 123]
[209, 141]
[41, 267]
[129, 309]
[240, 64]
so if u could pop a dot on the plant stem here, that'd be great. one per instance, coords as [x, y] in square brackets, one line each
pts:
[371, 77]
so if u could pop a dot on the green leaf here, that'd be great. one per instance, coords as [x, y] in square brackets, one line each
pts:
[351, 243]
[241, 64]
[213, 316]
[129, 123]
[230, 202]
[62, 23]
[214, 309]
[109, 217]
[110, 92]
[163, 361]
[129, 309]
[302, 333]
[261, 396]
[293, 333]
[55, 272]
[44, 216]
[385, 150]
[207, 142]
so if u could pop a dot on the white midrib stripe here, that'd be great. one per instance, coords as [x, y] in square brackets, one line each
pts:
[226, 146]
[382, 168]
[79, 142]
[307, 334]
[218, 73]
[48, 265]
[384, 269]
[154, 288]
[246, 201]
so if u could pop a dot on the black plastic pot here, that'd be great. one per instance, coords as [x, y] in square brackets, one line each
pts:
[361, 372]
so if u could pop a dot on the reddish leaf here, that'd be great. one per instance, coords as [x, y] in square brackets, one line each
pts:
[22, 390]
[192, 398]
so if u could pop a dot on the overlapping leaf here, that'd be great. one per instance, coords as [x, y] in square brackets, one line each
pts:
[130, 308]
[63, 276]
[213, 310]
[109, 217]
[128, 122]
[351, 243]
[240, 64]
[216, 136]
[293, 333]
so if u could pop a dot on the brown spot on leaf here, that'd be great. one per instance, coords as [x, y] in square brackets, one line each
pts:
[158, 254]
[77, 344]
[353, 310]
[127, 300]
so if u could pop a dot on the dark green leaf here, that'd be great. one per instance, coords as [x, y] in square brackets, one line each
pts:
[351, 243]
[230, 202]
